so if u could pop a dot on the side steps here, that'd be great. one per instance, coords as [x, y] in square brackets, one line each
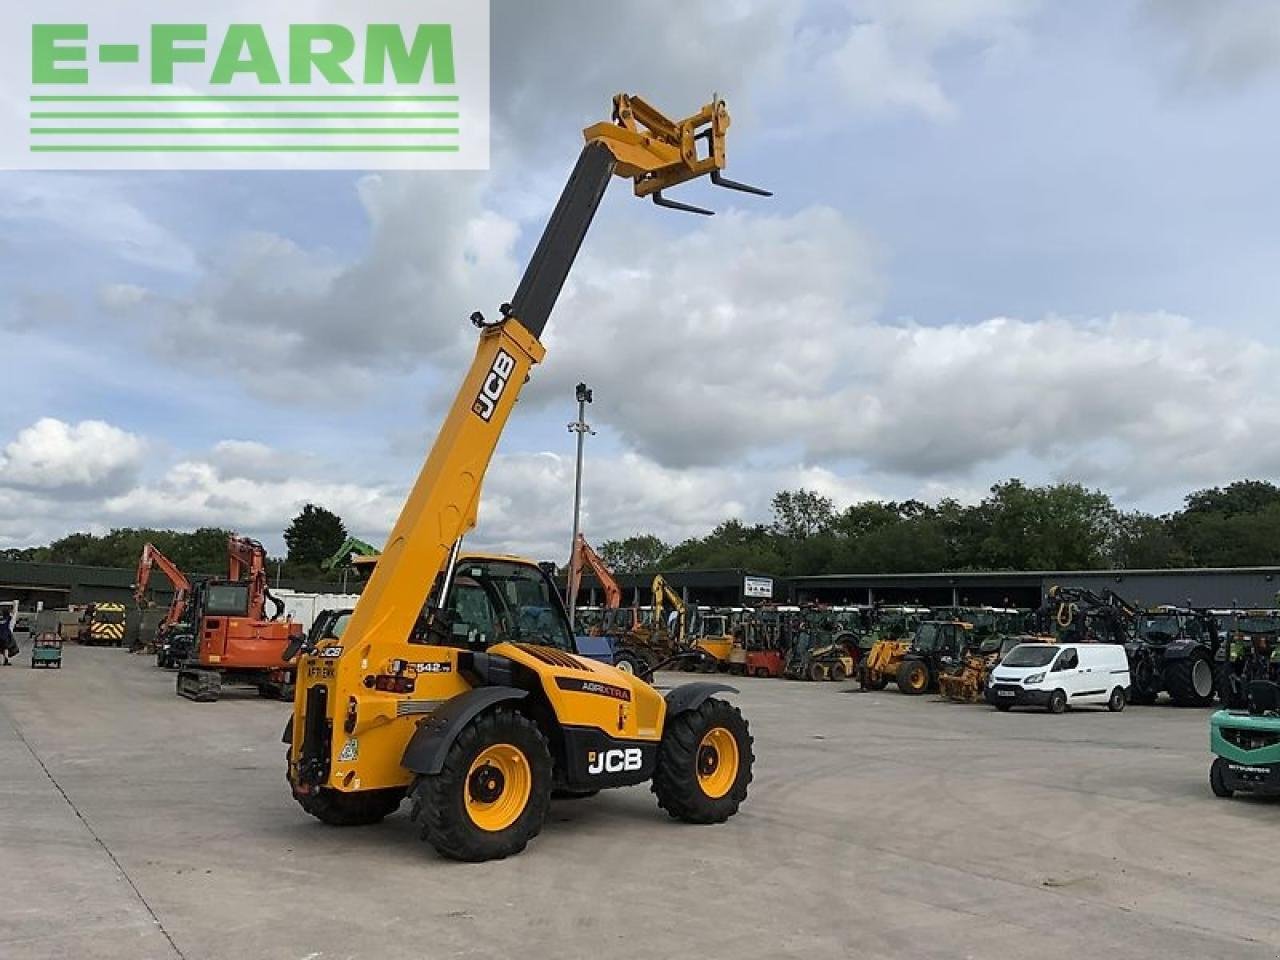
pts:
[202, 686]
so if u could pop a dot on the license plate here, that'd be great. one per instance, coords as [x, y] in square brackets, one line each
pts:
[1005, 693]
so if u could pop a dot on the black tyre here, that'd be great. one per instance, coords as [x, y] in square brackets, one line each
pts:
[1143, 698]
[1057, 702]
[874, 681]
[913, 677]
[360, 809]
[1116, 702]
[1003, 707]
[1217, 780]
[1222, 683]
[816, 672]
[491, 797]
[838, 672]
[1190, 681]
[704, 763]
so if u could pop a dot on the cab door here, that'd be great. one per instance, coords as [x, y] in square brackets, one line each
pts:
[1066, 675]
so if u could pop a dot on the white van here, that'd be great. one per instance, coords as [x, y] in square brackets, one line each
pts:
[1055, 676]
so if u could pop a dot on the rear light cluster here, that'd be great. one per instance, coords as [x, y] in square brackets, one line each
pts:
[393, 684]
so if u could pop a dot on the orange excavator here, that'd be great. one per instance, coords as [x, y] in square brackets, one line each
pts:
[583, 555]
[236, 641]
[150, 559]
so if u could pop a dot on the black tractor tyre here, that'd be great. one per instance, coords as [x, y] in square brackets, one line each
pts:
[1222, 685]
[676, 783]
[1190, 681]
[1003, 707]
[1116, 702]
[1057, 702]
[913, 678]
[439, 800]
[838, 672]
[360, 809]
[873, 681]
[1217, 782]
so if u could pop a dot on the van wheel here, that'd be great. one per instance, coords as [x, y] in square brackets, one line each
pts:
[1057, 701]
[1117, 701]
[1003, 707]
[1218, 782]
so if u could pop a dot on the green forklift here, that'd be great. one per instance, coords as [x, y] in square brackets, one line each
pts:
[1246, 744]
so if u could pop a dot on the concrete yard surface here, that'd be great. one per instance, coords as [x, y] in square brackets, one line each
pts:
[134, 824]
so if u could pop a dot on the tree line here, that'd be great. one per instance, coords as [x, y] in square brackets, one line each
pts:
[311, 537]
[1060, 526]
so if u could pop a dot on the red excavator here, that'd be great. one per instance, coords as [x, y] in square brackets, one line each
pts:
[237, 642]
[150, 559]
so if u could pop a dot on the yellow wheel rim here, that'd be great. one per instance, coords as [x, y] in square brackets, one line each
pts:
[717, 762]
[918, 679]
[498, 787]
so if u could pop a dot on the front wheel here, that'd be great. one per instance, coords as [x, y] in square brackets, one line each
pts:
[913, 677]
[1057, 701]
[1217, 781]
[838, 672]
[1117, 701]
[628, 662]
[704, 763]
[490, 798]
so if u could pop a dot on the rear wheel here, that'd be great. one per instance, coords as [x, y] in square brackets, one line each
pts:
[1217, 781]
[873, 681]
[490, 799]
[838, 672]
[1004, 707]
[704, 763]
[913, 677]
[628, 662]
[1190, 681]
[1117, 701]
[1057, 701]
[816, 671]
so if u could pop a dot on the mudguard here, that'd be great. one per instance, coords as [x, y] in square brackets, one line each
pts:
[1181, 649]
[288, 732]
[690, 696]
[435, 735]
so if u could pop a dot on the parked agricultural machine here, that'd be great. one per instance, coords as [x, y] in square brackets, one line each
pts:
[1248, 651]
[964, 680]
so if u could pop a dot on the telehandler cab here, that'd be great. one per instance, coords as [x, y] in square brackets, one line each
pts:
[456, 682]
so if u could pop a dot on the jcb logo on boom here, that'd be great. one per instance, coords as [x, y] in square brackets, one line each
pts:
[614, 761]
[495, 382]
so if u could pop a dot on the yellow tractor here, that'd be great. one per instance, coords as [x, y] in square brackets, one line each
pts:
[456, 683]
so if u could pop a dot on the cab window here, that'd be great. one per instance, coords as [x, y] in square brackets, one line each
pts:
[495, 601]
[1068, 661]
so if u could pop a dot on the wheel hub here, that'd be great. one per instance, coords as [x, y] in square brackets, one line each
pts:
[1202, 678]
[708, 760]
[486, 784]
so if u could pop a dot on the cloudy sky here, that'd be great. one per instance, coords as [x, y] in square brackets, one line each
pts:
[1008, 238]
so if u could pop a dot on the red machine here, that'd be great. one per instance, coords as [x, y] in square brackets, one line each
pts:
[151, 558]
[238, 643]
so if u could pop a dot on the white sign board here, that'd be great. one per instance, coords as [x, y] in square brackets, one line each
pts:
[760, 587]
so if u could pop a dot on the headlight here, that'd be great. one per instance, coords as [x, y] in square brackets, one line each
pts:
[1034, 678]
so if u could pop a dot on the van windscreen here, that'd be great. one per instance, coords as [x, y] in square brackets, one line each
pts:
[1031, 655]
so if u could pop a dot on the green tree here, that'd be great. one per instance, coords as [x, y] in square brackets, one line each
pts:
[639, 554]
[313, 536]
[798, 514]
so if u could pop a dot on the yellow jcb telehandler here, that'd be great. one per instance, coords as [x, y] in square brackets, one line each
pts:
[456, 682]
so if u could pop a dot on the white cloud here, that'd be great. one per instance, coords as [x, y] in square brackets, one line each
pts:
[59, 459]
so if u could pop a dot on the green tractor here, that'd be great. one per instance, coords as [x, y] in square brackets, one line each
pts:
[1249, 650]
[1246, 744]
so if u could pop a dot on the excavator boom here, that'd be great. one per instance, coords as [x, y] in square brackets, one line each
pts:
[152, 557]
[583, 555]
